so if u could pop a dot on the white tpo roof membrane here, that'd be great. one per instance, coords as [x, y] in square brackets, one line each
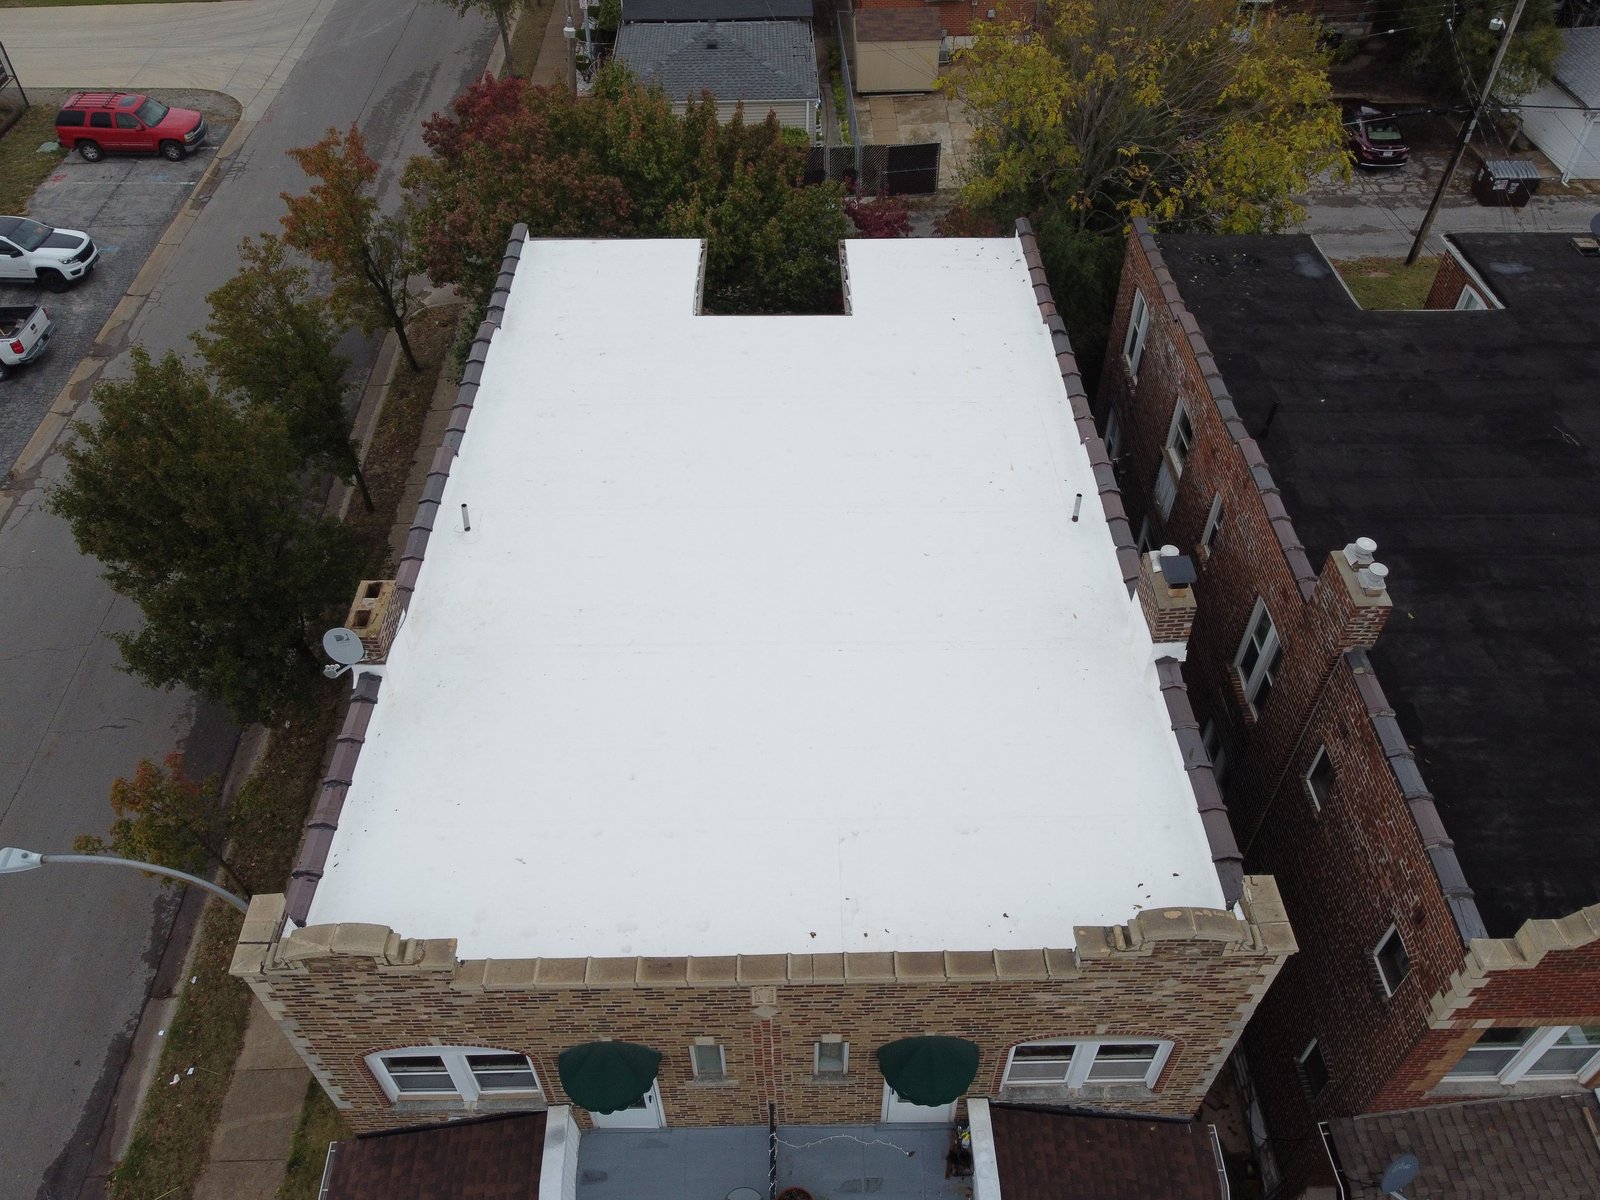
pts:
[770, 634]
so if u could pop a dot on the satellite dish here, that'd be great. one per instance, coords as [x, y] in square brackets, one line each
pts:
[1399, 1173]
[343, 646]
[1594, 224]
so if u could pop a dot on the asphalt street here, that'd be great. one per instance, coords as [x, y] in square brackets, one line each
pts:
[80, 945]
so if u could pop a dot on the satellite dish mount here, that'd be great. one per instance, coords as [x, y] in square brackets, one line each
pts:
[345, 648]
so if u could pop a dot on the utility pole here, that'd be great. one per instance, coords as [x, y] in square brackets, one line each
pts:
[1467, 131]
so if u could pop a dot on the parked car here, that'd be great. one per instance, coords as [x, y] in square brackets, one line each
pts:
[33, 252]
[25, 331]
[1373, 135]
[98, 123]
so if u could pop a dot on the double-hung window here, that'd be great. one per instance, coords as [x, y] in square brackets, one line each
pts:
[1319, 778]
[1392, 961]
[1258, 657]
[454, 1073]
[1113, 438]
[1216, 752]
[1507, 1056]
[1079, 1062]
[1138, 326]
[1208, 535]
[1313, 1067]
[1174, 457]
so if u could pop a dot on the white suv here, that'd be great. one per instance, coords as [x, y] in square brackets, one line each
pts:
[33, 252]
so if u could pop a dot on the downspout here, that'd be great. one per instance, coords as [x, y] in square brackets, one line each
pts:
[1582, 145]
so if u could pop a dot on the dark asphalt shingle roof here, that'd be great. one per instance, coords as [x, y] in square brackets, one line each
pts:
[1578, 68]
[492, 1158]
[1049, 1155]
[716, 10]
[1533, 1148]
[1468, 445]
[753, 60]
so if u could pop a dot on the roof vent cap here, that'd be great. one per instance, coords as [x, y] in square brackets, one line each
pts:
[1373, 578]
[1359, 552]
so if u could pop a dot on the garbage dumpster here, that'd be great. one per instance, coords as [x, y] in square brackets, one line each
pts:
[1505, 182]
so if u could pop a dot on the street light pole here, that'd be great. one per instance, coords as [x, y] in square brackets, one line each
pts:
[13, 860]
[1466, 131]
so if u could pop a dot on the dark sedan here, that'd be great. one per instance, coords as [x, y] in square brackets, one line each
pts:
[1373, 135]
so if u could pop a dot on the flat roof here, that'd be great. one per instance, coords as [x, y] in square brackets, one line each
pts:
[770, 634]
[1465, 444]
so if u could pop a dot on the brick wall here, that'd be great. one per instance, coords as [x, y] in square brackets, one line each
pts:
[1378, 852]
[1192, 976]
[1447, 284]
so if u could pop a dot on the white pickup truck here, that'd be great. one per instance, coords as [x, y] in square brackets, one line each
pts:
[24, 335]
[33, 252]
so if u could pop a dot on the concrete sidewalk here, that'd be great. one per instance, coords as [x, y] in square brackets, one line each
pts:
[245, 48]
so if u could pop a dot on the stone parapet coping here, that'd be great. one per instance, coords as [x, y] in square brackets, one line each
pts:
[1522, 951]
[323, 823]
[267, 948]
[1225, 853]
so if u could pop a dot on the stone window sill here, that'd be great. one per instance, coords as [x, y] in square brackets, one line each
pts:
[714, 1083]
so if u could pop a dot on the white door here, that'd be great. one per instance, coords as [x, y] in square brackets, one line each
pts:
[904, 1112]
[13, 263]
[644, 1113]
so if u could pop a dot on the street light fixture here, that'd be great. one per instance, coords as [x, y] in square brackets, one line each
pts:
[13, 860]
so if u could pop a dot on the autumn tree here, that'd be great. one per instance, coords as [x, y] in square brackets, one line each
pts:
[272, 341]
[621, 163]
[192, 505]
[883, 217]
[1106, 109]
[162, 816]
[338, 223]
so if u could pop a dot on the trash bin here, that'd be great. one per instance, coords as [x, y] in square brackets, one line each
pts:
[1505, 182]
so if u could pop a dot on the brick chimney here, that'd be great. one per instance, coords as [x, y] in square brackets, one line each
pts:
[1352, 596]
[1165, 595]
[374, 617]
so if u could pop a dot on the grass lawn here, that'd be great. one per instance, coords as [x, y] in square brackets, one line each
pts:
[22, 167]
[172, 1137]
[320, 1123]
[1388, 282]
[528, 37]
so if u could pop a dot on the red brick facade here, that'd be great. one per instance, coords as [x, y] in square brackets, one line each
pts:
[1375, 853]
[1188, 976]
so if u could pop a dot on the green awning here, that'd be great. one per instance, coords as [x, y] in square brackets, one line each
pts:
[929, 1070]
[606, 1077]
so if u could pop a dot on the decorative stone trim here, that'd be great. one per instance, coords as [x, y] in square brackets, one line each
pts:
[1521, 952]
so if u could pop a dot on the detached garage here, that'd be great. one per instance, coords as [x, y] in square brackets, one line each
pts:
[1563, 117]
[897, 50]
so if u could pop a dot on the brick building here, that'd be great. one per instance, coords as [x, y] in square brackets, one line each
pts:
[762, 717]
[1409, 752]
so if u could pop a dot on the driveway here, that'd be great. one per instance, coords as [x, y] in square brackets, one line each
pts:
[124, 203]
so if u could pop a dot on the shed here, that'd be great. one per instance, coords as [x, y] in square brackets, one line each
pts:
[1563, 117]
[766, 65]
[897, 49]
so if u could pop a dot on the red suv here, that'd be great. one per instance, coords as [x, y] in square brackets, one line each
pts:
[99, 122]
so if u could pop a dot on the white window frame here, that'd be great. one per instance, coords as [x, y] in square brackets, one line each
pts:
[1470, 301]
[1179, 455]
[1268, 658]
[1526, 1058]
[1113, 435]
[1133, 342]
[844, 1057]
[699, 1046]
[1389, 989]
[1208, 535]
[1211, 737]
[1320, 757]
[1084, 1052]
[456, 1065]
[1303, 1057]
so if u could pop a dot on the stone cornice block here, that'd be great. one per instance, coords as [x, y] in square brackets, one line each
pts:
[763, 968]
[869, 967]
[713, 969]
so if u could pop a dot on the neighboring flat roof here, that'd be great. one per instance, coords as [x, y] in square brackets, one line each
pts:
[1466, 444]
[1050, 1154]
[1526, 1148]
[488, 1158]
[771, 634]
[737, 60]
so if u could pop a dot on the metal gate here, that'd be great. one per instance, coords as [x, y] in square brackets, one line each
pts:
[873, 170]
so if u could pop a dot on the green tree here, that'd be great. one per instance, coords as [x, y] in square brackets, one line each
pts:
[621, 163]
[1451, 45]
[1106, 109]
[270, 340]
[164, 817]
[503, 12]
[192, 505]
[338, 223]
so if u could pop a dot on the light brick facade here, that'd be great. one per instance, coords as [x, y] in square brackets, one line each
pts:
[1376, 853]
[1188, 976]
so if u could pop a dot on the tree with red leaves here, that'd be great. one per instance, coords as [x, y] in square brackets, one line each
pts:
[885, 217]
